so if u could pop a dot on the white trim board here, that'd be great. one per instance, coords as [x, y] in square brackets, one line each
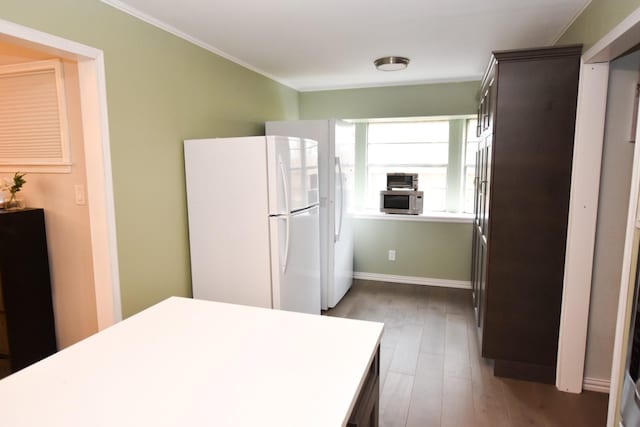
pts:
[413, 280]
[621, 38]
[581, 229]
[596, 384]
[93, 93]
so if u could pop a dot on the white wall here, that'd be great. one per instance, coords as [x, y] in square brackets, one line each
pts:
[67, 223]
[617, 162]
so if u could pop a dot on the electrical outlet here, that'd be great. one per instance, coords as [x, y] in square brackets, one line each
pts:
[392, 254]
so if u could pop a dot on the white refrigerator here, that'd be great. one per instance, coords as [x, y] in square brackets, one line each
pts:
[254, 221]
[337, 141]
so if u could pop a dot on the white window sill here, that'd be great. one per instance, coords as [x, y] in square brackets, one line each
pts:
[461, 218]
[37, 168]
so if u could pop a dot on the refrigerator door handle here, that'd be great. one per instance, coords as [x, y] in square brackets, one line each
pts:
[285, 185]
[287, 221]
[340, 176]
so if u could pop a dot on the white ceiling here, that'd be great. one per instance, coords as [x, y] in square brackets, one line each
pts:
[315, 45]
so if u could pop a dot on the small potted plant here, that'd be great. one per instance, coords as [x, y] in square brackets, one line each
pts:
[13, 187]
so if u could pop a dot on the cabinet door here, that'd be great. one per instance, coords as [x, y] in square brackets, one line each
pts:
[4, 336]
[26, 287]
[478, 269]
[487, 106]
[476, 187]
[474, 255]
[482, 283]
[482, 178]
[366, 409]
[486, 182]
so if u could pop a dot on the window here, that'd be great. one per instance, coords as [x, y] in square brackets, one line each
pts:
[471, 146]
[33, 124]
[419, 147]
[440, 150]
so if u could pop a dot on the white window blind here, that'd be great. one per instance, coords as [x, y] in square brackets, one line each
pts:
[32, 117]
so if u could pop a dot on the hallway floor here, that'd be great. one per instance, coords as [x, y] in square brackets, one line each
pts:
[431, 373]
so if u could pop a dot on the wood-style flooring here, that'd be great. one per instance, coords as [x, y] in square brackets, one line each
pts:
[431, 372]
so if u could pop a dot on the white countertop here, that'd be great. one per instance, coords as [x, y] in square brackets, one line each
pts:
[187, 362]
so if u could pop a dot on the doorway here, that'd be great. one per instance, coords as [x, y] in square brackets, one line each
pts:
[97, 168]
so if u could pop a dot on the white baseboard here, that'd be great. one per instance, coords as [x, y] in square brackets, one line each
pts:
[596, 384]
[444, 283]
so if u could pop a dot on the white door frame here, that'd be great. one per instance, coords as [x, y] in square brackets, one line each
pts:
[581, 231]
[93, 101]
[583, 212]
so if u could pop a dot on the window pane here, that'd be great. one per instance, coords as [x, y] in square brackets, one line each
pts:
[407, 154]
[469, 190]
[401, 132]
[470, 155]
[472, 125]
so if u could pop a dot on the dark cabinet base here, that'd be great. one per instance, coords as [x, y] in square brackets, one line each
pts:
[365, 411]
[26, 308]
[524, 371]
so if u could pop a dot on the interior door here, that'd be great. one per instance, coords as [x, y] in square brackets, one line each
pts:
[295, 261]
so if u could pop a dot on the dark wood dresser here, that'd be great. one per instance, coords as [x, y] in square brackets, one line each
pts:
[27, 331]
[526, 121]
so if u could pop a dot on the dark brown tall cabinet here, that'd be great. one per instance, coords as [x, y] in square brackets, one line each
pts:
[27, 332]
[526, 121]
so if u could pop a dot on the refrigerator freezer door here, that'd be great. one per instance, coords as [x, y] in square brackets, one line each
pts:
[295, 261]
[293, 174]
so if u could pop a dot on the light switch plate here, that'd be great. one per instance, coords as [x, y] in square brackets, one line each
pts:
[81, 199]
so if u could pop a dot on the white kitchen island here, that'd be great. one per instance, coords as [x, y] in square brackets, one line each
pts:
[186, 362]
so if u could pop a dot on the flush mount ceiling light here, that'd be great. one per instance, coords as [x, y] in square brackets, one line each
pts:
[391, 63]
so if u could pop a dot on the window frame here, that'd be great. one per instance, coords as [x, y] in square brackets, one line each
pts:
[455, 168]
[465, 166]
[368, 199]
[60, 164]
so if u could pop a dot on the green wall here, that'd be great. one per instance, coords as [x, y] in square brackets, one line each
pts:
[392, 101]
[160, 90]
[597, 20]
[423, 249]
